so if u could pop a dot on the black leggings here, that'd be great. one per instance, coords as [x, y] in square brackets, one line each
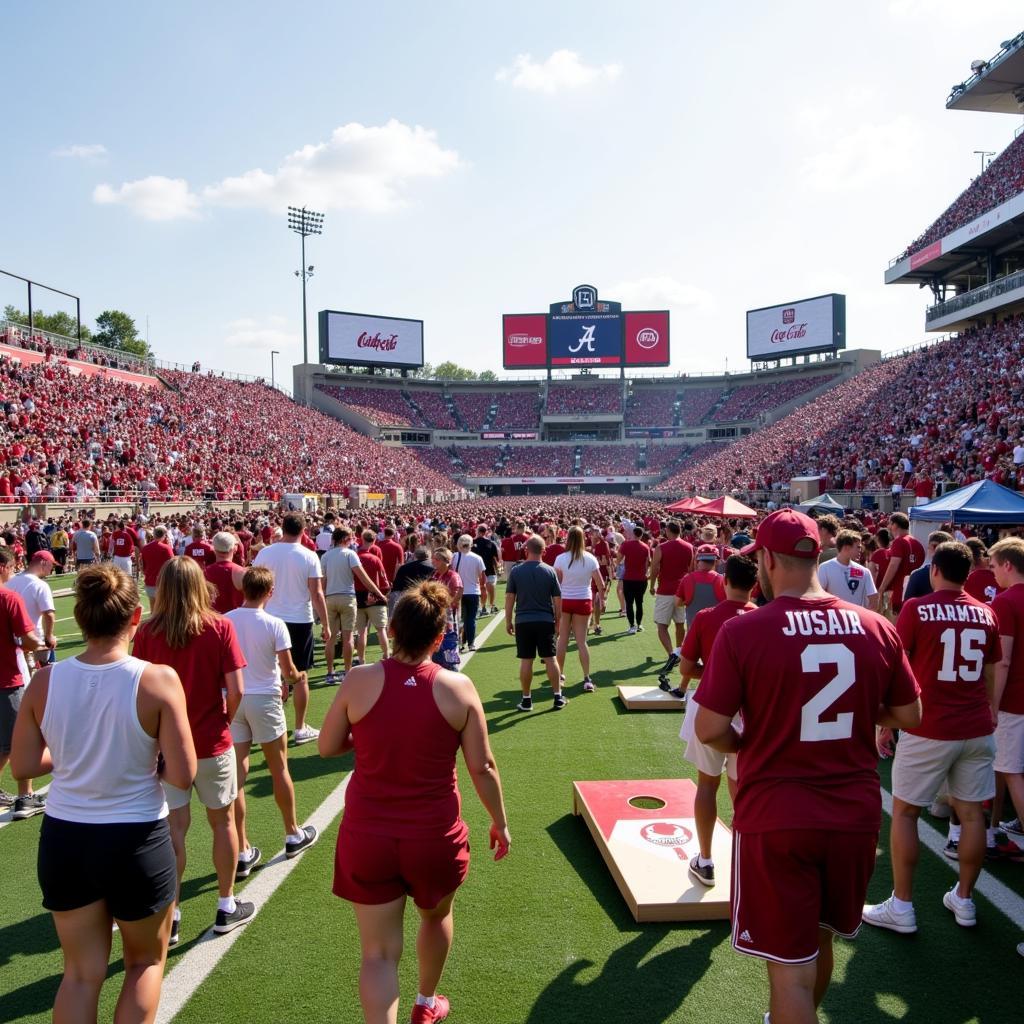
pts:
[633, 591]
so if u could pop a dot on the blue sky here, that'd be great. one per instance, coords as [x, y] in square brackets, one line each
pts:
[475, 159]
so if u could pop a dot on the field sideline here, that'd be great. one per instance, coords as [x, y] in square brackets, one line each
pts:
[542, 937]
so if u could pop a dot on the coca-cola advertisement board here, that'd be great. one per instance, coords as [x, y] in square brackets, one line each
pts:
[355, 339]
[796, 328]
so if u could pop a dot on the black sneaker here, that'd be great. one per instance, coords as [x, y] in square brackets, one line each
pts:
[526, 704]
[951, 850]
[705, 875]
[175, 932]
[673, 660]
[678, 692]
[664, 684]
[1014, 826]
[242, 914]
[28, 807]
[294, 848]
[560, 701]
[244, 869]
[597, 631]
[7, 799]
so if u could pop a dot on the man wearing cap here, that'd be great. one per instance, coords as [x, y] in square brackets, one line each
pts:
[38, 598]
[812, 677]
[703, 587]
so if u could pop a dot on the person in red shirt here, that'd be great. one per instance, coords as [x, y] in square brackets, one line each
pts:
[402, 833]
[513, 549]
[392, 554]
[670, 562]
[952, 641]
[906, 554]
[702, 588]
[369, 545]
[981, 584]
[635, 557]
[601, 550]
[121, 548]
[225, 574]
[878, 562]
[552, 547]
[812, 676]
[1007, 558]
[199, 549]
[201, 646]
[153, 556]
[740, 577]
[368, 609]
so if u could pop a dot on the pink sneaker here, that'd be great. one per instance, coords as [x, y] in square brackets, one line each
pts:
[428, 1014]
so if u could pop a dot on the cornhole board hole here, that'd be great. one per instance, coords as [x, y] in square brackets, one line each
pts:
[648, 847]
[649, 698]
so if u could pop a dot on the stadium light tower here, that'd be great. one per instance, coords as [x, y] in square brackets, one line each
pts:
[304, 223]
[273, 352]
[983, 153]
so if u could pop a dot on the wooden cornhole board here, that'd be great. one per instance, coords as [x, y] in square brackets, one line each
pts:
[649, 698]
[648, 850]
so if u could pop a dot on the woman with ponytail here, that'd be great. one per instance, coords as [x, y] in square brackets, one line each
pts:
[579, 576]
[402, 833]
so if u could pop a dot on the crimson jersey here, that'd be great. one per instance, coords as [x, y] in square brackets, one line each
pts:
[700, 637]
[636, 556]
[808, 676]
[1009, 611]
[982, 586]
[950, 637]
[518, 548]
[551, 552]
[122, 544]
[675, 559]
[911, 555]
[201, 552]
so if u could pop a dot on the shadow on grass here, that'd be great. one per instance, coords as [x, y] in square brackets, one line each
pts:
[27, 938]
[29, 1000]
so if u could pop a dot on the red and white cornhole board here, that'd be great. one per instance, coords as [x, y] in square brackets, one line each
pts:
[649, 698]
[648, 850]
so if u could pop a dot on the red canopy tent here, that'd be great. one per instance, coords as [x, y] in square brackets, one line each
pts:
[687, 504]
[726, 508]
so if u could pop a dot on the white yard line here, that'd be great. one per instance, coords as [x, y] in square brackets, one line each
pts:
[201, 960]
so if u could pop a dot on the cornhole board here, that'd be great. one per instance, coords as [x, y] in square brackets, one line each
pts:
[649, 698]
[648, 849]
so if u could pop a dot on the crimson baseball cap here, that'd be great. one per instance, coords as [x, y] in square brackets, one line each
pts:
[787, 532]
[43, 556]
[707, 552]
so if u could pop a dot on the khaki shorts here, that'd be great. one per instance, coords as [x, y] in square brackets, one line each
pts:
[921, 766]
[216, 784]
[704, 758]
[341, 613]
[259, 719]
[665, 610]
[1010, 743]
[377, 614]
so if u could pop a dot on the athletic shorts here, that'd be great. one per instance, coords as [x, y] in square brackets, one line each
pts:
[151, 594]
[301, 634]
[341, 613]
[259, 719]
[574, 606]
[922, 765]
[492, 579]
[787, 884]
[1010, 743]
[216, 784]
[124, 564]
[535, 640]
[10, 701]
[704, 758]
[665, 610]
[129, 865]
[371, 869]
[377, 614]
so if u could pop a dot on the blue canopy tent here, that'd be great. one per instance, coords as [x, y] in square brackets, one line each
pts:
[983, 502]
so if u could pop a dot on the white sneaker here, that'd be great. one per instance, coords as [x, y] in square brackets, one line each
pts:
[631, 631]
[305, 735]
[963, 910]
[885, 915]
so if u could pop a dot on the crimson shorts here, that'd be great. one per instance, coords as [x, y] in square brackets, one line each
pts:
[788, 884]
[572, 606]
[372, 869]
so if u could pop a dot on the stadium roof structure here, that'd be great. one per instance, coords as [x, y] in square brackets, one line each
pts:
[983, 502]
[996, 85]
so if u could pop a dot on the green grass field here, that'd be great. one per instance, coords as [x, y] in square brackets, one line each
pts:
[544, 936]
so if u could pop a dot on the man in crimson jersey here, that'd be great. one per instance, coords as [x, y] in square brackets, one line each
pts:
[670, 562]
[953, 644]
[906, 554]
[122, 548]
[199, 549]
[812, 676]
[153, 556]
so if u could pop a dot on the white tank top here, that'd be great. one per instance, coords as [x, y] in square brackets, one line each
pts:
[104, 762]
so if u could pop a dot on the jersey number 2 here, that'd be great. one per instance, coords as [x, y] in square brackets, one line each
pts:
[812, 728]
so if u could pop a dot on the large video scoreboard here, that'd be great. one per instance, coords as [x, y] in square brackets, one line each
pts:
[585, 331]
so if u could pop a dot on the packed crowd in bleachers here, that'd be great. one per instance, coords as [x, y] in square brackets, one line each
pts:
[1001, 180]
[696, 403]
[609, 459]
[479, 460]
[651, 407]
[663, 457]
[384, 406]
[584, 400]
[519, 407]
[752, 400]
[54, 345]
[473, 407]
[434, 410]
[941, 417]
[540, 460]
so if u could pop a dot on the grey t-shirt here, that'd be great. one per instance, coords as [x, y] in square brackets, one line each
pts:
[338, 564]
[535, 585]
[86, 543]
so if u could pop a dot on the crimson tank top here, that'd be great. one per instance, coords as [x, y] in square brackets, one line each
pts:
[405, 783]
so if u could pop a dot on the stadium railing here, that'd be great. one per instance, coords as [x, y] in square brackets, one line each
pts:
[1009, 283]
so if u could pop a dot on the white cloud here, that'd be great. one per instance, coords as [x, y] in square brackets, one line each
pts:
[865, 156]
[562, 70]
[660, 293]
[152, 198]
[273, 333]
[91, 151]
[358, 167]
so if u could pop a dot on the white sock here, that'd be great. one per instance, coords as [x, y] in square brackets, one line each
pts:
[226, 903]
[954, 833]
[247, 855]
[422, 1000]
[295, 837]
[677, 651]
[901, 906]
[177, 913]
[702, 863]
[990, 837]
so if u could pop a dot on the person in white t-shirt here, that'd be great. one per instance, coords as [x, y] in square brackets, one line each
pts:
[260, 718]
[1018, 452]
[473, 573]
[38, 598]
[845, 576]
[579, 576]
